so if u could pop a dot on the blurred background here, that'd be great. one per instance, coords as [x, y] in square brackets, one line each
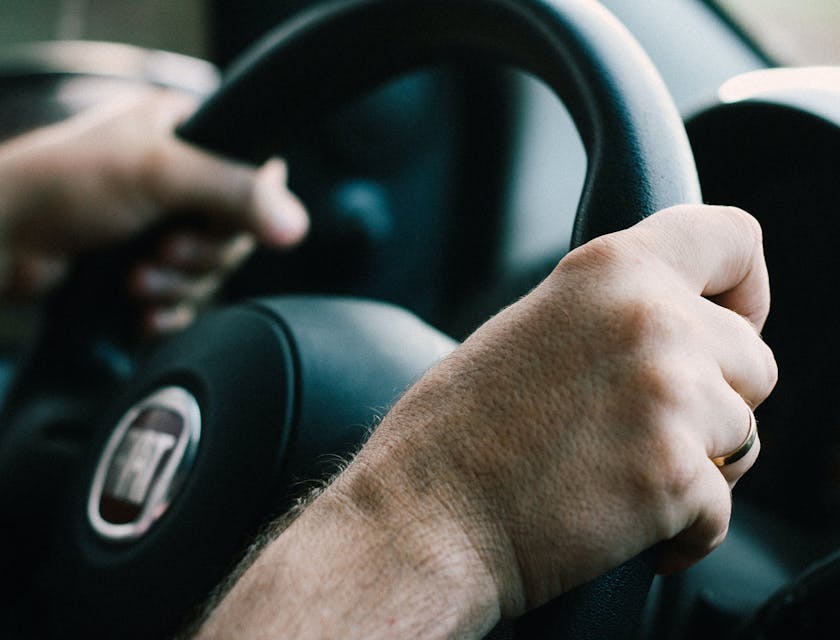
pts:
[789, 31]
[172, 25]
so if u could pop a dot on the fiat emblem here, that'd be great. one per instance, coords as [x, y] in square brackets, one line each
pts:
[144, 464]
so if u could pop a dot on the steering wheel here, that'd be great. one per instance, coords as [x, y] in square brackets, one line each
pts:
[804, 607]
[215, 430]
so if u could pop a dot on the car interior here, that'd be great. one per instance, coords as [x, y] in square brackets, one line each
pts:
[450, 154]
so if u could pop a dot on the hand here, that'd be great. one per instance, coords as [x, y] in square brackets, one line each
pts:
[112, 172]
[572, 431]
[575, 429]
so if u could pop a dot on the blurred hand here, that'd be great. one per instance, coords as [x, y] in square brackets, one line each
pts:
[113, 172]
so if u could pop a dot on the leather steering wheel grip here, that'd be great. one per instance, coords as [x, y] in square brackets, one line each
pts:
[639, 158]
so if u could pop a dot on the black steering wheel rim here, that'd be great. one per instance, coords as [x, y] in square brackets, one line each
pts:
[639, 157]
[640, 160]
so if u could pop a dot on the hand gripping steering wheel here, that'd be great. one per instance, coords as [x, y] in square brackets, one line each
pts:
[221, 422]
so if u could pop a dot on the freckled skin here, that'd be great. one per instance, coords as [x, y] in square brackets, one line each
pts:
[570, 432]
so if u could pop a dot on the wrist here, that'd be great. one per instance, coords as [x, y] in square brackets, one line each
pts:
[422, 476]
[418, 536]
[372, 555]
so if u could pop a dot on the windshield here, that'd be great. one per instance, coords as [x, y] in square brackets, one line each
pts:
[791, 32]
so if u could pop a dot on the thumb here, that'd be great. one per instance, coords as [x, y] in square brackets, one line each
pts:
[280, 218]
[180, 176]
[721, 258]
[237, 195]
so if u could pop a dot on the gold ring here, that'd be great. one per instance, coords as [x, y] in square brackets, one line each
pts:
[742, 450]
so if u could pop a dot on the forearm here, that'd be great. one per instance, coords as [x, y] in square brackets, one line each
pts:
[360, 563]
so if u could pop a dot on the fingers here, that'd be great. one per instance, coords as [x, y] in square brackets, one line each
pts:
[708, 527]
[244, 203]
[186, 272]
[193, 252]
[728, 429]
[163, 320]
[156, 285]
[234, 195]
[706, 498]
[113, 171]
[722, 417]
[712, 492]
[746, 362]
[180, 176]
[281, 218]
[721, 258]
[169, 300]
[705, 294]
[743, 456]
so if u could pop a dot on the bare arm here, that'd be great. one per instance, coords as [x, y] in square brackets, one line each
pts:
[569, 433]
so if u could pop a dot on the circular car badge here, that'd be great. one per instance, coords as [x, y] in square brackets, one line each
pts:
[144, 464]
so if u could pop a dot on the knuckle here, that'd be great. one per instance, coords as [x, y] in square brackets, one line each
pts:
[643, 319]
[771, 368]
[758, 354]
[655, 382]
[648, 323]
[601, 253]
[717, 537]
[744, 223]
[674, 476]
[655, 369]
[660, 435]
[615, 256]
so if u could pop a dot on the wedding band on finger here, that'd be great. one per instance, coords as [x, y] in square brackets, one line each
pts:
[743, 449]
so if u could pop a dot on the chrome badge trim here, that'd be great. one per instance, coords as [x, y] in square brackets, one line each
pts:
[121, 466]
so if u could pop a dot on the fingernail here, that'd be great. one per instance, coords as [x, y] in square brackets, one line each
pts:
[283, 217]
